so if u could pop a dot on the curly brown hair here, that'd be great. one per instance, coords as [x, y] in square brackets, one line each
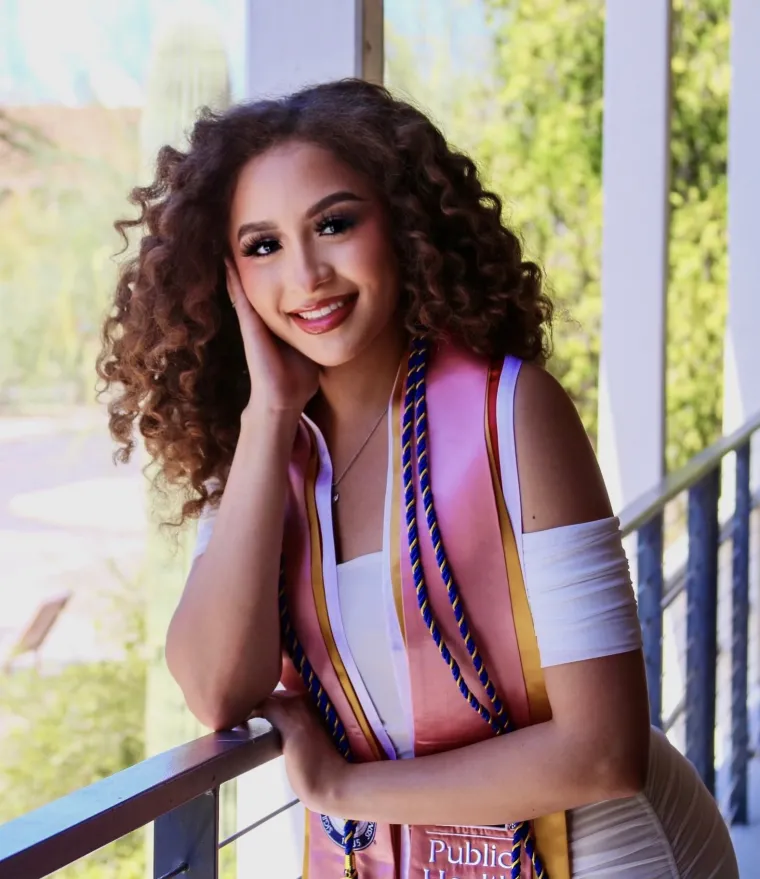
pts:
[172, 354]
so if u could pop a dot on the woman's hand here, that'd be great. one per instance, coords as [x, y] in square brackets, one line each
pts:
[315, 769]
[282, 379]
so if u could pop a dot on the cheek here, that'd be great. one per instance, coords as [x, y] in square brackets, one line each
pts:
[374, 258]
[260, 285]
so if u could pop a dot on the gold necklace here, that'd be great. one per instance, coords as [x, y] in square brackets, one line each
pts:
[336, 482]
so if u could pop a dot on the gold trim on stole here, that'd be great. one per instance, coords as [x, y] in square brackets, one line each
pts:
[550, 830]
[320, 603]
[395, 536]
[306, 837]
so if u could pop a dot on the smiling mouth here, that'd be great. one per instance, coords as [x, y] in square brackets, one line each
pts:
[322, 311]
[326, 315]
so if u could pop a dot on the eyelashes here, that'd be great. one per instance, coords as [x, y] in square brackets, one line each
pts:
[261, 245]
[339, 223]
[266, 244]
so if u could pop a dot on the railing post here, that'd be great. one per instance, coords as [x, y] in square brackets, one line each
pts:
[186, 840]
[702, 625]
[739, 632]
[649, 597]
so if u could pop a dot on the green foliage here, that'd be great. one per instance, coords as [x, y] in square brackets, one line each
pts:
[698, 242]
[79, 725]
[63, 730]
[56, 274]
[540, 148]
[420, 73]
[542, 153]
[533, 123]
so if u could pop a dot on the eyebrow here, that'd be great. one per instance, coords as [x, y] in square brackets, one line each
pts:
[322, 205]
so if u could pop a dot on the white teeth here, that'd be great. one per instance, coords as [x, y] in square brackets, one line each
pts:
[322, 312]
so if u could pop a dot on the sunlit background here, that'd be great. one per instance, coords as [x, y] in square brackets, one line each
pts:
[88, 92]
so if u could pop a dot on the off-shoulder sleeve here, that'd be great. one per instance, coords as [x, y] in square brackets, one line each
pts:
[580, 592]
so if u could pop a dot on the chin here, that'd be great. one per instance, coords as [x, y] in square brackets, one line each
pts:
[341, 345]
[331, 353]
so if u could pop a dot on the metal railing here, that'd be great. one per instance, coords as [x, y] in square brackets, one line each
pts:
[179, 789]
[698, 578]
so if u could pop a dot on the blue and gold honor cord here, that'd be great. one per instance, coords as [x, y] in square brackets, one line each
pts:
[414, 427]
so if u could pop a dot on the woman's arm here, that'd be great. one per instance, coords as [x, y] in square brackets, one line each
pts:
[594, 748]
[223, 643]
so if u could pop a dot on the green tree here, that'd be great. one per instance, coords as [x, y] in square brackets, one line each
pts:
[544, 153]
[534, 125]
[62, 730]
[56, 271]
[697, 296]
[419, 70]
[531, 117]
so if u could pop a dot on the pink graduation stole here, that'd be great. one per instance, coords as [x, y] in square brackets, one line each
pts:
[464, 469]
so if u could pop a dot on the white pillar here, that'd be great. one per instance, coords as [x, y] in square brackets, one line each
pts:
[291, 44]
[742, 349]
[636, 161]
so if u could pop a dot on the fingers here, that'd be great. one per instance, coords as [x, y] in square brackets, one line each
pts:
[234, 287]
[281, 710]
[251, 326]
[269, 709]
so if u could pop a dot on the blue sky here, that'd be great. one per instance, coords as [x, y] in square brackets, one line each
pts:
[81, 51]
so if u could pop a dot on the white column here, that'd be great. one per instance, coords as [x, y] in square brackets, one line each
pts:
[636, 160]
[291, 44]
[742, 349]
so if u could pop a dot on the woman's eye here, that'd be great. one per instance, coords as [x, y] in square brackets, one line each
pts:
[335, 225]
[261, 247]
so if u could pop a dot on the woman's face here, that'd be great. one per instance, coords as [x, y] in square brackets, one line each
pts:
[313, 251]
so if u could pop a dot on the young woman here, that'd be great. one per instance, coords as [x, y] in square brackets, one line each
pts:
[332, 341]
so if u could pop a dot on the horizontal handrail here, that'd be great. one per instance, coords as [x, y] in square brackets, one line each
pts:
[31, 846]
[644, 508]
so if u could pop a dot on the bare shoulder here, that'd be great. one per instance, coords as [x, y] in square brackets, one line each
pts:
[560, 480]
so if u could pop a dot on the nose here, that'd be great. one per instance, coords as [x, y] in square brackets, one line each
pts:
[310, 270]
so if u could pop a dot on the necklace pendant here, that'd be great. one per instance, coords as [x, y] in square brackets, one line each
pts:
[335, 495]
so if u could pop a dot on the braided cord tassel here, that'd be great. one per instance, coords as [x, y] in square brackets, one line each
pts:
[538, 867]
[420, 585]
[420, 418]
[415, 425]
[518, 840]
[326, 710]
